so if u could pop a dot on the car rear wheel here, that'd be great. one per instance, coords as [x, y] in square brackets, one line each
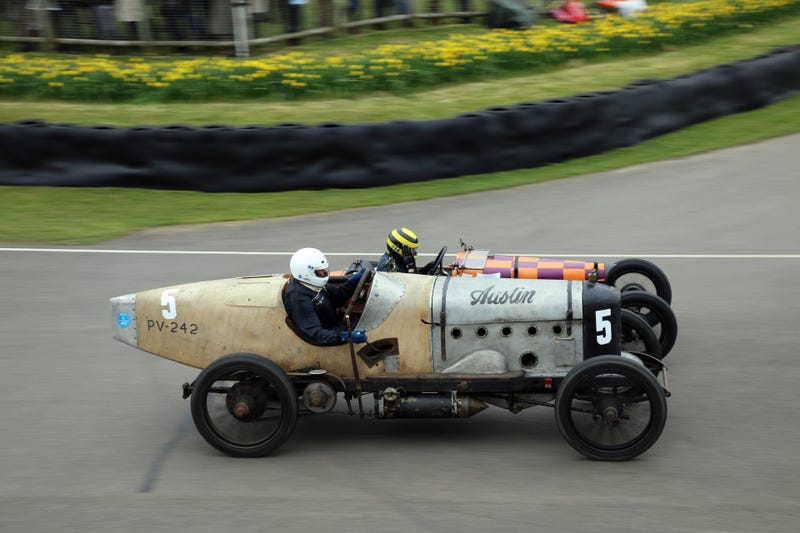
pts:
[657, 313]
[638, 274]
[610, 409]
[244, 405]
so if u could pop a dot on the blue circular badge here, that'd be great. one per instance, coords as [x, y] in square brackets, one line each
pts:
[123, 320]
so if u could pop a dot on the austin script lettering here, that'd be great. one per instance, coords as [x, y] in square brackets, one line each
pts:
[490, 296]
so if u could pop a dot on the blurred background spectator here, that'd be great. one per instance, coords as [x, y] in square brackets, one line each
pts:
[129, 13]
[220, 19]
[67, 19]
[626, 8]
[103, 20]
[149, 23]
[295, 20]
[572, 11]
[353, 12]
[325, 8]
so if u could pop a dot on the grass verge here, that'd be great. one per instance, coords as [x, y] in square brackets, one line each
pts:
[87, 216]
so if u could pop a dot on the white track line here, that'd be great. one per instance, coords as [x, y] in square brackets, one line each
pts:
[366, 254]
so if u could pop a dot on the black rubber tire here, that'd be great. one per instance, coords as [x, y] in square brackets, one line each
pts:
[658, 314]
[600, 382]
[224, 431]
[644, 268]
[638, 336]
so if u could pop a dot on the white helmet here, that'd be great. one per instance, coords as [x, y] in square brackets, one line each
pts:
[309, 265]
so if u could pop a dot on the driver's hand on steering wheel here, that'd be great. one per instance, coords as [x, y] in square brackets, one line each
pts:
[357, 276]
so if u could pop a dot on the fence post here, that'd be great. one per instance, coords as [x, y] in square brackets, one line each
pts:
[239, 16]
[143, 28]
[44, 22]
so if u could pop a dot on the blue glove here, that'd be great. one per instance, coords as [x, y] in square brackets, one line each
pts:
[355, 278]
[359, 336]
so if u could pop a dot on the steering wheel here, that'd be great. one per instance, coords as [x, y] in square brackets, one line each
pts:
[360, 294]
[436, 265]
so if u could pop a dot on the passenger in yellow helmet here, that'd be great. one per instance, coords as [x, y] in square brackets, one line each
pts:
[401, 253]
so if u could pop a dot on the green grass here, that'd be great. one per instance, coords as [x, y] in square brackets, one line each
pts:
[84, 216]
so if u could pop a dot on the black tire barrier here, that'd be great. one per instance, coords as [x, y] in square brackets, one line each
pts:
[290, 156]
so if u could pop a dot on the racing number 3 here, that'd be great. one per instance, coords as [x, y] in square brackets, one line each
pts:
[602, 322]
[168, 301]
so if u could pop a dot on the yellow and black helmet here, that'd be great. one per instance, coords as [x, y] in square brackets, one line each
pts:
[402, 237]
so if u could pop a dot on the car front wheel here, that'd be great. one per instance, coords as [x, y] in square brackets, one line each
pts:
[610, 409]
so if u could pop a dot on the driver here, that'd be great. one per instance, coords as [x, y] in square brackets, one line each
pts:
[311, 302]
[401, 253]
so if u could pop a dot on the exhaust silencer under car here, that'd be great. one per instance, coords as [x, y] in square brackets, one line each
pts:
[394, 403]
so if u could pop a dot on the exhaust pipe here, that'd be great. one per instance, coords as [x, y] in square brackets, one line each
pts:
[393, 403]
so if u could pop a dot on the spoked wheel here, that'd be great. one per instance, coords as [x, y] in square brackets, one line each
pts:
[639, 275]
[244, 405]
[610, 409]
[657, 313]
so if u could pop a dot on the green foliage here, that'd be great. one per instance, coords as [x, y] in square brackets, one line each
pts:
[392, 67]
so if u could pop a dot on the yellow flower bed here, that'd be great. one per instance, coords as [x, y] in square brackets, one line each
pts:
[387, 67]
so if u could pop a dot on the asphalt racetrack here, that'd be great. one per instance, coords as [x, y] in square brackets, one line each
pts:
[95, 436]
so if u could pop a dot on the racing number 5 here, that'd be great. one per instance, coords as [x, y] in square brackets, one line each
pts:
[168, 301]
[602, 322]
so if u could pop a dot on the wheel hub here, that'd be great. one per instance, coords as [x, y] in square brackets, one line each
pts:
[241, 408]
[609, 411]
[633, 287]
[610, 414]
[246, 401]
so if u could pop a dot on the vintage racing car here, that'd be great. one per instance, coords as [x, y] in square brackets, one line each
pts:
[440, 346]
[645, 287]
[626, 274]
